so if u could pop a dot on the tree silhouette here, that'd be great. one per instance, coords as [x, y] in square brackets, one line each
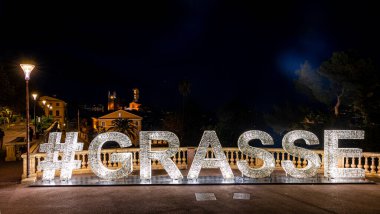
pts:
[346, 83]
[125, 126]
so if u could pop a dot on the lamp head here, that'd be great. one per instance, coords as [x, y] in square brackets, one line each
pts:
[27, 68]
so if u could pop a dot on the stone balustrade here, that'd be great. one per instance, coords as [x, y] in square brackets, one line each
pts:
[370, 162]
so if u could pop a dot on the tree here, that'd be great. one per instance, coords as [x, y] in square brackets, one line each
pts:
[6, 115]
[347, 84]
[353, 79]
[125, 126]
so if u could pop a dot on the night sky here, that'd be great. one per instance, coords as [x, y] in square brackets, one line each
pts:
[227, 50]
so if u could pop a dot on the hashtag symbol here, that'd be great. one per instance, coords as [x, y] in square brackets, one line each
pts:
[67, 162]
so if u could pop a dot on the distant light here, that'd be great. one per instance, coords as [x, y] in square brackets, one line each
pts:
[43, 102]
[34, 95]
[27, 68]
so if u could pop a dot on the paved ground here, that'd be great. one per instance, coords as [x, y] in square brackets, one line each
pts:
[17, 198]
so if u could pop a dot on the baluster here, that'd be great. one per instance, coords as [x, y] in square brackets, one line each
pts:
[304, 163]
[109, 164]
[373, 167]
[366, 165]
[278, 159]
[353, 165]
[82, 159]
[346, 162]
[104, 159]
[184, 162]
[134, 161]
[180, 156]
[231, 157]
[299, 161]
[237, 158]
[378, 166]
[360, 166]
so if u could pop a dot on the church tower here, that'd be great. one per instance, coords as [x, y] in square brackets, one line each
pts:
[112, 105]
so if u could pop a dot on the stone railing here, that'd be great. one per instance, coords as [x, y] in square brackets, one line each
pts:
[370, 162]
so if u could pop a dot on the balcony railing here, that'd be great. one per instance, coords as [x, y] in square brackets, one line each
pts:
[370, 162]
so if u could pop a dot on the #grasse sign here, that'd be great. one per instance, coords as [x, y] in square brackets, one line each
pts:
[332, 153]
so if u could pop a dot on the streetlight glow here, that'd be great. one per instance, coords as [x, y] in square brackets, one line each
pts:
[34, 95]
[27, 68]
[43, 102]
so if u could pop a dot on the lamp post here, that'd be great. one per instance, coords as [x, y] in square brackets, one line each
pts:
[34, 95]
[27, 68]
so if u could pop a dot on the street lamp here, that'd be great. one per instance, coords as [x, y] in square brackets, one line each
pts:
[34, 95]
[27, 68]
[43, 103]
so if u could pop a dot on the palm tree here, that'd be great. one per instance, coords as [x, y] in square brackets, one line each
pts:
[125, 126]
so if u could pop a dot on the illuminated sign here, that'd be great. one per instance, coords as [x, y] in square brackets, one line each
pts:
[332, 153]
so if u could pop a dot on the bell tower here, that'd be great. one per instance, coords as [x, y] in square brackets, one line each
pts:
[111, 101]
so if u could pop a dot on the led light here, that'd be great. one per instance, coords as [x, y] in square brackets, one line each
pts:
[313, 160]
[95, 161]
[146, 155]
[220, 160]
[333, 153]
[267, 157]
[51, 162]
[27, 68]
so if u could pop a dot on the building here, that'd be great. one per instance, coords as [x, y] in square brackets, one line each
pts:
[54, 107]
[104, 123]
